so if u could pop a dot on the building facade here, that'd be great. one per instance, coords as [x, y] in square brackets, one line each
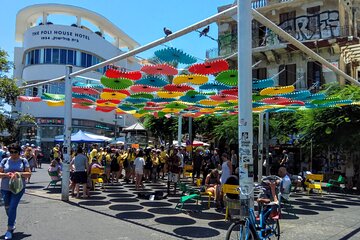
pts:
[328, 27]
[46, 47]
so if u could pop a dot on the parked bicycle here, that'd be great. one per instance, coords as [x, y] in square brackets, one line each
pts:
[250, 227]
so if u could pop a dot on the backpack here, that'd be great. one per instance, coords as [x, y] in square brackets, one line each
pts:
[114, 163]
[103, 160]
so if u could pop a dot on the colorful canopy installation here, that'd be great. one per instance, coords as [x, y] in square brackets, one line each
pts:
[201, 89]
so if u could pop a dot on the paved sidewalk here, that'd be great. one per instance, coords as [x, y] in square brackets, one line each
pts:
[117, 213]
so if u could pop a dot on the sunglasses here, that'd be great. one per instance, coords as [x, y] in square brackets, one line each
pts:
[13, 152]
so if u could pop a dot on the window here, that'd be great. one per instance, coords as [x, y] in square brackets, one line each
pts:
[313, 10]
[259, 73]
[56, 56]
[70, 58]
[287, 23]
[287, 16]
[47, 55]
[37, 56]
[314, 75]
[83, 60]
[287, 77]
[32, 60]
[34, 91]
[63, 56]
[88, 60]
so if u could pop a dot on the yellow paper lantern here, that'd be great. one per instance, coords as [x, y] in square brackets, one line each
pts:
[112, 95]
[166, 94]
[277, 90]
[209, 102]
[196, 79]
[55, 103]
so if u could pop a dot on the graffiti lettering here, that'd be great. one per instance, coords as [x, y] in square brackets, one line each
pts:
[318, 26]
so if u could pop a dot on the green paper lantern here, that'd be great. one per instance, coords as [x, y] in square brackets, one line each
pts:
[116, 83]
[228, 77]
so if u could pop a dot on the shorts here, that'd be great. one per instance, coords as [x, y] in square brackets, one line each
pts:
[140, 172]
[80, 177]
[173, 177]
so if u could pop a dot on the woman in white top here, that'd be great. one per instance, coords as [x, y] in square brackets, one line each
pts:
[139, 168]
[226, 168]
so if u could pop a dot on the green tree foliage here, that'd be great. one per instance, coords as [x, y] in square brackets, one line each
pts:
[333, 127]
[9, 92]
[8, 89]
[162, 127]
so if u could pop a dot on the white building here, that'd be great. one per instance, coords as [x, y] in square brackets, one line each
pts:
[47, 47]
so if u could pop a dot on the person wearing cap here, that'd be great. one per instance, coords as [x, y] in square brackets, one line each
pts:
[155, 164]
[94, 152]
[56, 151]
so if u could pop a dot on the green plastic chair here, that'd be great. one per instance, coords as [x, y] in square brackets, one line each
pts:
[53, 182]
[336, 183]
[188, 193]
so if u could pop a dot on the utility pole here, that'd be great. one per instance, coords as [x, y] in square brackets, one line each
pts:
[67, 136]
[115, 126]
[245, 121]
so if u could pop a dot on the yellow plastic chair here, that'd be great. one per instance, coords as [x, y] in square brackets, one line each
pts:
[229, 189]
[95, 175]
[314, 181]
[188, 169]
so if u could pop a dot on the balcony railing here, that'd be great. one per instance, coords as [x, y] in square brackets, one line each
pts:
[264, 3]
[227, 44]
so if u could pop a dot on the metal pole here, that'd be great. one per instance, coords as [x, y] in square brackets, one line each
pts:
[267, 142]
[311, 155]
[276, 29]
[67, 136]
[260, 145]
[245, 122]
[179, 129]
[115, 132]
[190, 136]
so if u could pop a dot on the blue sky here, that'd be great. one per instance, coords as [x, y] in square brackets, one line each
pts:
[143, 20]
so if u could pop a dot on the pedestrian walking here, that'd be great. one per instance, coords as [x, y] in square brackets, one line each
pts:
[13, 169]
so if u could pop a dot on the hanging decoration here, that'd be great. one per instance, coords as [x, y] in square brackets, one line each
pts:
[178, 88]
[191, 79]
[228, 77]
[29, 99]
[142, 95]
[116, 83]
[223, 97]
[143, 88]
[175, 55]
[209, 67]
[114, 73]
[84, 90]
[159, 69]
[192, 98]
[277, 90]
[168, 94]
[263, 83]
[152, 81]
[51, 96]
[214, 86]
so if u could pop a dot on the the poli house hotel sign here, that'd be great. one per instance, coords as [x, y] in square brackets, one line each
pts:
[70, 36]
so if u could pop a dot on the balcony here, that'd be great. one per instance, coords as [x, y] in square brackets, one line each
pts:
[263, 3]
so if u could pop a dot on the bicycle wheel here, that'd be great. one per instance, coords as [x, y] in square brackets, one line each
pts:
[273, 227]
[238, 231]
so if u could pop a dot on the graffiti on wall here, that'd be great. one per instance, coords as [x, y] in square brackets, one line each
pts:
[318, 26]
